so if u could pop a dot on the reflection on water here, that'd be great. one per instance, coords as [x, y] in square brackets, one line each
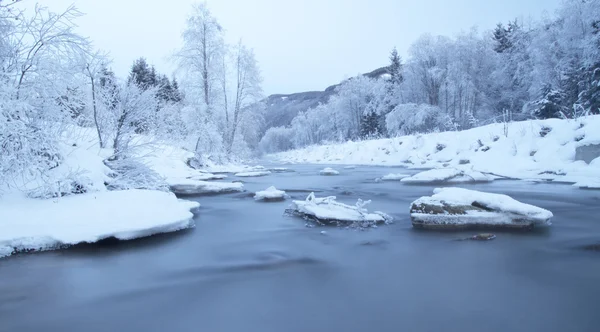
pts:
[247, 267]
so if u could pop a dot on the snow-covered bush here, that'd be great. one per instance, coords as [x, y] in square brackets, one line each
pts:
[408, 119]
[129, 173]
[276, 139]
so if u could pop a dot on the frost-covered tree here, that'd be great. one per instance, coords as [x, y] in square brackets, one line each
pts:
[408, 119]
[201, 54]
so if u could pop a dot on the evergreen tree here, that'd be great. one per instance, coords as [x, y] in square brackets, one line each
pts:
[108, 84]
[500, 36]
[142, 75]
[370, 126]
[175, 94]
[551, 104]
[165, 90]
[395, 68]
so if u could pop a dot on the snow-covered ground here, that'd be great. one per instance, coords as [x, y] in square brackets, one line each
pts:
[35, 224]
[462, 207]
[327, 210]
[524, 150]
[270, 194]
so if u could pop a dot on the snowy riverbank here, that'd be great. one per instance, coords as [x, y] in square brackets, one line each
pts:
[85, 199]
[536, 150]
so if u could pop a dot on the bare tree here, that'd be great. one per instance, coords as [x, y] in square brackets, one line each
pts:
[247, 89]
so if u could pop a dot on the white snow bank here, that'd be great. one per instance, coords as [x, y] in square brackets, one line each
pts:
[519, 152]
[588, 184]
[31, 224]
[451, 175]
[394, 177]
[195, 187]
[327, 211]
[462, 207]
[280, 170]
[329, 171]
[252, 174]
[207, 177]
[270, 194]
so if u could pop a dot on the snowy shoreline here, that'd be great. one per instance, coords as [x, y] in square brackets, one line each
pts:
[519, 150]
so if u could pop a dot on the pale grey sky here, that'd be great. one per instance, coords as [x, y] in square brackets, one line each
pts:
[301, 44]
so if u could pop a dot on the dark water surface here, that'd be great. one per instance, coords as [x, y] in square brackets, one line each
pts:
[247, 267]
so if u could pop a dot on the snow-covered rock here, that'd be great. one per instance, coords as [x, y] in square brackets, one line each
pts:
[252, 174]
[33, 224]
[394, 177]
[270, 194]
[195, 187]
[450, 175]
[457, 208]
[327, 210]
[329, 171]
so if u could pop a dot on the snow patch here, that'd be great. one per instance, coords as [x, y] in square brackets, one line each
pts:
[31, 224]
[270, 194]
[394, 177]
[329, 171]
[195, 187]
[252, 174]
[451, 175]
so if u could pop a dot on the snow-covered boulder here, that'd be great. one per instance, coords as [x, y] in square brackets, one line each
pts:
[327, 211]
[270, 194]
[329, 171]
[195, 187]
[37, 225]
[450, 175]
[457, 208]
[394, 177]
[252, 174]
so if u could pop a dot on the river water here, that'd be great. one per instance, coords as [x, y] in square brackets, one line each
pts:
[247, 267]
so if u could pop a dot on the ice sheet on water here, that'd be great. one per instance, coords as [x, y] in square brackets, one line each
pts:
[32, 224]
[252, 174]
[452, 175]
[195, 187]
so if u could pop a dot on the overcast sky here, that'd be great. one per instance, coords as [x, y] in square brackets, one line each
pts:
[301, 44]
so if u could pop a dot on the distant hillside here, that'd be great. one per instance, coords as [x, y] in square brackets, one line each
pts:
[281, 108]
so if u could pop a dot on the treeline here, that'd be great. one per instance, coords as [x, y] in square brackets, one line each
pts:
[519, 70]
